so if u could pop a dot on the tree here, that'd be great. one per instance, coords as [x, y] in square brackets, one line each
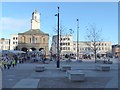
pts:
[93, 36]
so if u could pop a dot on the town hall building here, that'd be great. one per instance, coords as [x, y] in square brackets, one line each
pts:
[34, 39]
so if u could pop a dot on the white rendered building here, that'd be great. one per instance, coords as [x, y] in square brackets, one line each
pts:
[13, 41]
[102, 47]
[68, 46]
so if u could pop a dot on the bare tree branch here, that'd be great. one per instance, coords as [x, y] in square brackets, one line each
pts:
[94, 38]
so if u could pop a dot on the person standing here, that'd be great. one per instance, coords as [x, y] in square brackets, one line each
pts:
[4, 63]
[13, 63]
[8, 64]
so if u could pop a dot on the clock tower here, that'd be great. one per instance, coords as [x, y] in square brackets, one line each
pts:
[35, 21]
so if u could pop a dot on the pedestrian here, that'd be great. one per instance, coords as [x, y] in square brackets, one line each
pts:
[13, 63]
[8, 64]
[4, 64]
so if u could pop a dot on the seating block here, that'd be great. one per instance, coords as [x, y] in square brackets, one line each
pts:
[68, 60]
[75, 75]
[65, 68]
[103, 67]
[39, 68]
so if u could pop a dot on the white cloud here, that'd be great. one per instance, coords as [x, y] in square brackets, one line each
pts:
[12, 25]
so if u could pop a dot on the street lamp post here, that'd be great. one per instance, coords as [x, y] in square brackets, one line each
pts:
[77, 38]
[58, 53]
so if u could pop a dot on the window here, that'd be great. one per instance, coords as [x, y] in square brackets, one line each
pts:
[88, 48]
[74, 48]
[65, 48]
[102, 48]
[68, 48]
[68, 38]
[16, 38]
[105, 44]
[102, 44]
[99, 48]
[13, 38]
[60, 48]
[13, 42]
[106, 48]
[30, 40]
[68, 43]
[35, 40]
[16, 42]
[6, 42]
[35, 17]
[43, 40]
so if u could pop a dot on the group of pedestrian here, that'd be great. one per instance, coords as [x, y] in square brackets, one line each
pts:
[8, 63]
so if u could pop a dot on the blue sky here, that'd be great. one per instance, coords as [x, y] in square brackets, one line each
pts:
[16, 18]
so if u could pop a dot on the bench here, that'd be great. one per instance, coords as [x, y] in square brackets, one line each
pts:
[39, 68]
[65, 67]
[78, 60]
[75, 75]
[68, 60]
[27, 83]
[103, 67]
[109, 62]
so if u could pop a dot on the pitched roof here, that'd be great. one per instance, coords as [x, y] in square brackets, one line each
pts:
[33, 32]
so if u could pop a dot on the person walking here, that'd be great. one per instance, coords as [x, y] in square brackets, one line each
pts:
[13, 63]
[4, 64]
[8, 64]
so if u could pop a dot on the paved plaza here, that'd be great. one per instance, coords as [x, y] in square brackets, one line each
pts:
[53, 77]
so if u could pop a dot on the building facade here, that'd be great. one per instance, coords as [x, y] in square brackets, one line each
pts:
[102, 47]
[116, 50]
[66, 43]
[34, 39]
[13, 42]
[68, 46]
[4, 44]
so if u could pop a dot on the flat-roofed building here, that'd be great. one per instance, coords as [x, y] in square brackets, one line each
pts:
[13, 41]
[4, 44]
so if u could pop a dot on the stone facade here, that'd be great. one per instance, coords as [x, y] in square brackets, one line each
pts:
[34, 39]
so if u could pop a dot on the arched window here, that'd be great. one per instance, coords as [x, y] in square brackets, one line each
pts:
[23, 39]
[35, 17]
[30, 40]
[43, 40]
